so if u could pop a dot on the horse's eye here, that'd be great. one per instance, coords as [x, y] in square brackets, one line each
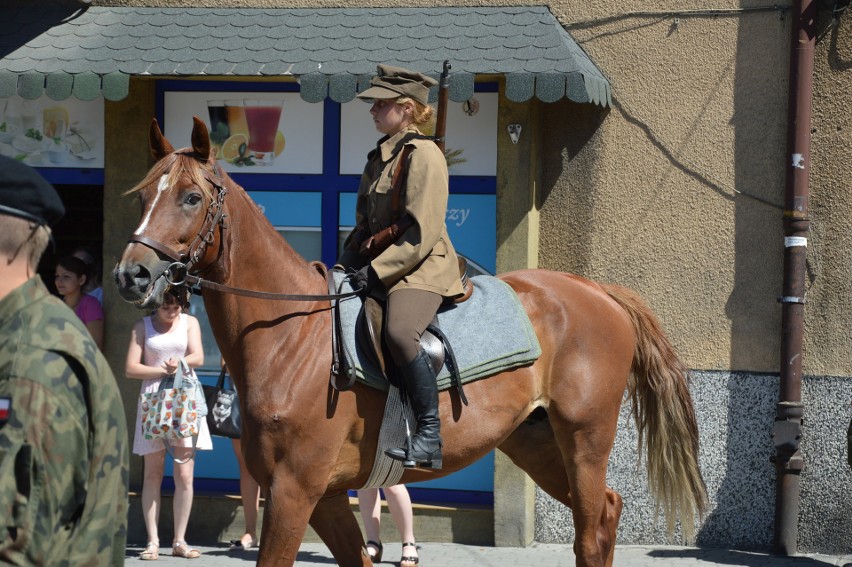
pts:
[192, 199]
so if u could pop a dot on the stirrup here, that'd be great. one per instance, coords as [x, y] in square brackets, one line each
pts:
[400, 454]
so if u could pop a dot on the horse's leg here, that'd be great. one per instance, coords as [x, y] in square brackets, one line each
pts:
[532, 446]
[596, 508]
[335, 523]
[285, 517]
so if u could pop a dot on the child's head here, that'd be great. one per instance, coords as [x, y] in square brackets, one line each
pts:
[89, 256]
[71, 275]
[171, 299]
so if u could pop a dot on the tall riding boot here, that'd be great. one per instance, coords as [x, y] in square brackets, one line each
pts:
[424, 446]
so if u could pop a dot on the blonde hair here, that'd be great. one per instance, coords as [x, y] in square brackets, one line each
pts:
[423, 113]
[22, 237]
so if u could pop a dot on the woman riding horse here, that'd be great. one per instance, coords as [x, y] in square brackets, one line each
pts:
[419, 270]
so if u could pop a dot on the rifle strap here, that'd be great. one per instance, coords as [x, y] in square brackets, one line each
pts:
[399, 176]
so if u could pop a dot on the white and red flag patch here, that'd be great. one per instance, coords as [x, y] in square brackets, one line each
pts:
[5, 408]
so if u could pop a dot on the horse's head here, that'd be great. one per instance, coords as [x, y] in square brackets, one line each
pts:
[182, 213]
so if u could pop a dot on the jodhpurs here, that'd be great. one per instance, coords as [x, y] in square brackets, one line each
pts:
[409, 312]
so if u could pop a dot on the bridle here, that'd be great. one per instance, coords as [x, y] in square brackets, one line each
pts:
[215, 217]
[178, 272]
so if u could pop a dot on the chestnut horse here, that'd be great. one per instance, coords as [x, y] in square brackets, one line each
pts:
[306, 443]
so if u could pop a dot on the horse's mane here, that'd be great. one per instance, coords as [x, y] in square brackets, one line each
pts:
[179, 163]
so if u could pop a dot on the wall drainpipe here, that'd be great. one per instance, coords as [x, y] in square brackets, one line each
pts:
[787, 430]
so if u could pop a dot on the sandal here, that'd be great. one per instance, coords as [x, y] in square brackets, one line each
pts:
[181, 549]
[409, 560]
[377, 556]
[151, 552]
[240, 545]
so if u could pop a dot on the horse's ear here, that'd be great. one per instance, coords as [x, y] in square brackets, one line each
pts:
[160, 147]
[200, 139]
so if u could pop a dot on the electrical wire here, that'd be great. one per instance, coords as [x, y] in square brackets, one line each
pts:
[702, 13]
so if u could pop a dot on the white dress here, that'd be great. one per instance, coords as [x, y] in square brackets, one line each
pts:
[158, 348]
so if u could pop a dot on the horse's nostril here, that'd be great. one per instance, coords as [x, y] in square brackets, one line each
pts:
[136, 275]
[140, 274]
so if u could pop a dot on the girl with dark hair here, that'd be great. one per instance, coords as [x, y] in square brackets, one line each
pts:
[71, 275]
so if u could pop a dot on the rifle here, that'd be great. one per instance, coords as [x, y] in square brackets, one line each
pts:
[443, 94]
[374, 245]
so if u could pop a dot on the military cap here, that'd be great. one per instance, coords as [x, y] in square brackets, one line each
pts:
[26, 194]
[394, 82]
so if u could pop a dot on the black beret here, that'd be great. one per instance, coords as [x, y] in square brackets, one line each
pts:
[394, 82]
[26, 194]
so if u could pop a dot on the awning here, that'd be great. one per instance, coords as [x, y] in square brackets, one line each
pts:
[93, 51]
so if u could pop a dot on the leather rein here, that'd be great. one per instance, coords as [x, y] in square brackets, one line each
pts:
[177, 273]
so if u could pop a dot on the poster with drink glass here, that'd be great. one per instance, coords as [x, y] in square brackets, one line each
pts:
[47, 133]
[251, 132]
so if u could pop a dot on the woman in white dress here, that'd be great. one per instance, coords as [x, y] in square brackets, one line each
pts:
[157, 343]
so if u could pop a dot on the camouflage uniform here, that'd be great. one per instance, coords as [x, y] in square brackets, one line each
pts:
[63, 448]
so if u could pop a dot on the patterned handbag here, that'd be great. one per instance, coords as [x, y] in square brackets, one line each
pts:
[174, 412]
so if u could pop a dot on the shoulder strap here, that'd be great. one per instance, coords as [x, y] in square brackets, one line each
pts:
[220, 383]
[399, 176]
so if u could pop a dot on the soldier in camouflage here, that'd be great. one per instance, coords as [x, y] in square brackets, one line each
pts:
[63, 434]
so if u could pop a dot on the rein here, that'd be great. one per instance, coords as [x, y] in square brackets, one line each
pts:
[191, 280]
[184, 261]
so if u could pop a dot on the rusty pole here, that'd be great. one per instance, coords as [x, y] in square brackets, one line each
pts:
[787, 430]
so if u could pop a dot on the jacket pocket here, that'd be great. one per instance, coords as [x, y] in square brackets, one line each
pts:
[440, 248]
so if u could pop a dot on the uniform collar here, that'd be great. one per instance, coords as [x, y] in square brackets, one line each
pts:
[21, 297]
[389, 146]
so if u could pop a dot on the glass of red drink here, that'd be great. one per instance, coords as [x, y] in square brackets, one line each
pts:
[262, 117]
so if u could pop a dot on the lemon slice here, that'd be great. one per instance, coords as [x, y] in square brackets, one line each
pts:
[279, 142]
[234, 147]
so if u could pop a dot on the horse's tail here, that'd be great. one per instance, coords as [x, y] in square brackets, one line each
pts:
[665, 418]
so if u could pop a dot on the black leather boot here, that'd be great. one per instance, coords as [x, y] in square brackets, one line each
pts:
[423, 448]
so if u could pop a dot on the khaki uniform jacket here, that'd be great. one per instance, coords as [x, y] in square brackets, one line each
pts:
[423, 258]
[63, 439]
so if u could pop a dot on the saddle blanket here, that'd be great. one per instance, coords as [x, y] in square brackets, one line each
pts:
[489, 333]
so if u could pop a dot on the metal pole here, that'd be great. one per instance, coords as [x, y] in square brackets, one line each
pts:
[787, 430]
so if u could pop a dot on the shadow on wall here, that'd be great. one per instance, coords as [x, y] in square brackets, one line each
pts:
[570, 154]
[746, 488]
[836, 59]
[735, 412]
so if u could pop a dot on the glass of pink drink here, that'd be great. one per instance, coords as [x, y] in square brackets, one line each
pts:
[262, 117]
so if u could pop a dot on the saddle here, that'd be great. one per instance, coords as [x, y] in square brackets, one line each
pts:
[370, 323]
[434, 343]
